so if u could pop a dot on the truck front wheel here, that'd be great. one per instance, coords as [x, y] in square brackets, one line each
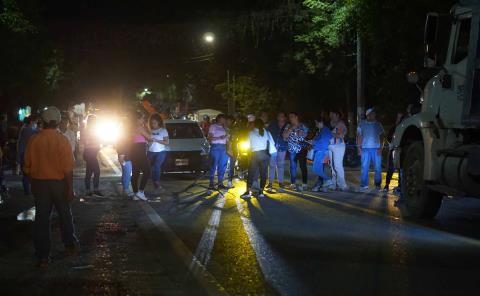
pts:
[419, 200]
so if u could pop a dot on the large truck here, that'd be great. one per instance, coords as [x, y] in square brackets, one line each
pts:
[438, 149]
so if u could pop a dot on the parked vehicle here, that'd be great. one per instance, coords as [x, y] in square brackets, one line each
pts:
[438, 149]
[188, 149]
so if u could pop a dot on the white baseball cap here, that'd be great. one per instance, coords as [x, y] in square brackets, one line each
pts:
[250, 117]
[369, 111]
[51, 113]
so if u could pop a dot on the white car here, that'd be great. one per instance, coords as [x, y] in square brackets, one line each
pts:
[188, 148]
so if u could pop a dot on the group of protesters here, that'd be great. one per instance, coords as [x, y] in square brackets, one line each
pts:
[46, 150]
[290, 139]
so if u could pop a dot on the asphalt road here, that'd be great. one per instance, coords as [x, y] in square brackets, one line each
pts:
[317, 243]
[335, 243]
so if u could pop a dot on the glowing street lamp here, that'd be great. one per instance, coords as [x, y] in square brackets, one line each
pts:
[209, 37]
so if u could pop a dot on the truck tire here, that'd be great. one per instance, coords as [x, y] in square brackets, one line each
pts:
[419, 200]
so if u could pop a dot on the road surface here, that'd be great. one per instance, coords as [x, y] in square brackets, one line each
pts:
[337, 243]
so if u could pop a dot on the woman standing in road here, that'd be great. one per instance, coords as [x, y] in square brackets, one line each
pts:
[262, 146]
[295, 134]
[156, 149]
[337, 150]
[320, 145]
[91, 147]
[138, 156]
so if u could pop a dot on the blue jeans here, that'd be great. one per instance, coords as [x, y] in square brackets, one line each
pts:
[277, 162]
[156, 159]
[126, 175]
[370, 155]
[318, 166]
[302, 159]
[218, 162]
[47, 194]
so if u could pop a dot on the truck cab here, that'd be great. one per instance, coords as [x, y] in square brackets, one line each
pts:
[438, 150]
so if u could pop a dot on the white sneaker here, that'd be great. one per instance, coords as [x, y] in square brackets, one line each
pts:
[230, 184]
[292, 187]
[261, 195]
[304, 187]
[134, 197]
[141, 195]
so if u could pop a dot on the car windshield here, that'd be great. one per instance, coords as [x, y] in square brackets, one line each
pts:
[183, 130]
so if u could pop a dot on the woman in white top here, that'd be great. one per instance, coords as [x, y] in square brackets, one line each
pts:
[261, 145]
[156, 148]
[337, 150]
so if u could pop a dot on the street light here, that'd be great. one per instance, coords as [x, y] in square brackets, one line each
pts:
[209, 37]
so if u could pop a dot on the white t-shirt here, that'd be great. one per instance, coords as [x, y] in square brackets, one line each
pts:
[158, 134]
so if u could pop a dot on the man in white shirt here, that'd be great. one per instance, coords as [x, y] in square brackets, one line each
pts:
[64, 129]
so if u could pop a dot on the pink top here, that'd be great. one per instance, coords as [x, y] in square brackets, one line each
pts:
[217, 130]
[138, 138]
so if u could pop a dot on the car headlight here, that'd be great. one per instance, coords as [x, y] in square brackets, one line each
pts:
[108, 131]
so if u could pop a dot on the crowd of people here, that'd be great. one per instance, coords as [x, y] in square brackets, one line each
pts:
[289, 139]
[46, 148]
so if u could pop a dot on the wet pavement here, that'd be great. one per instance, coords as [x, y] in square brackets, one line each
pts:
[185, 241]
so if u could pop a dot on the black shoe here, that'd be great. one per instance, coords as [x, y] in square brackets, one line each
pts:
[246, 195]
[222, 187]
[98, 193]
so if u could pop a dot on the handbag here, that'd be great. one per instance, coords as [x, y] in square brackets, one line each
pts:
[271, 149]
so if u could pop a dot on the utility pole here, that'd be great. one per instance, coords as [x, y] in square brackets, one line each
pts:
[360, 80]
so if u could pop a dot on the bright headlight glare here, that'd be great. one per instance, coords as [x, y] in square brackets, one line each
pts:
[244, 145]
[108, 130]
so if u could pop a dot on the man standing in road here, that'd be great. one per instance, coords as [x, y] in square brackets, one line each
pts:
[369, 143]
[277, 160]
[49, 164]
[64, 128]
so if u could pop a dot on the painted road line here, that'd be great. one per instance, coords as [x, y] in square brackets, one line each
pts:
[372, 212]
[204, 278]
[205, 247]
[274, 268]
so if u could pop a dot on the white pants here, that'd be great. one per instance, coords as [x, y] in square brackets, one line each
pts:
[337, 152]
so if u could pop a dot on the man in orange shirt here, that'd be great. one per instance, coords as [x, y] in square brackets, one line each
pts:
[49, 164]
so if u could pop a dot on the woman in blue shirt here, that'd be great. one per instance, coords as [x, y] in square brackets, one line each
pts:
[320, 145]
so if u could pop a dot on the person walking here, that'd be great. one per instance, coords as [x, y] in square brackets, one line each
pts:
[277, 160]
[29, 129]
[262, 146]
[320, 147]
[49, 165]
[138, 156]
[337, 150]
[217, 135]
[91, 148]
[157, 147]
[369, 142]
[295, 134]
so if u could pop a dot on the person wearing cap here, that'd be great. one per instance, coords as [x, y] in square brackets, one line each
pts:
[49, 164]
[369, 144]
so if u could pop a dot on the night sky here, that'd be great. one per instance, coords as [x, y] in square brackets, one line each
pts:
[129, 45]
